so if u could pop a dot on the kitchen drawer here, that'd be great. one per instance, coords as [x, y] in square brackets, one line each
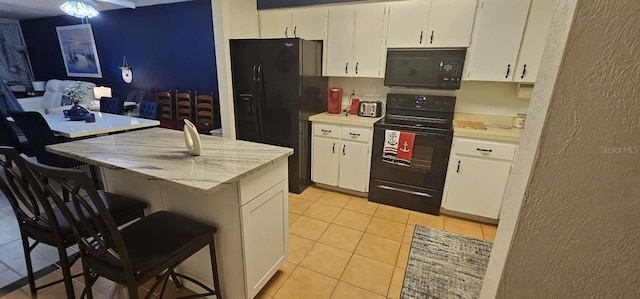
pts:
[485, 149]
[326, 130]
[356, 134]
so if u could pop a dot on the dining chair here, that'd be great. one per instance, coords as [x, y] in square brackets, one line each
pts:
[112, 105]
[204, 108]
[44, 223]
[163, 98]
[136, 96]
[183, 105]
[149, 248]
[10, 135]
[39, 135]
[149, 110]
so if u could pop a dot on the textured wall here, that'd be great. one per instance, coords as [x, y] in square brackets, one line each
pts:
[578, 231]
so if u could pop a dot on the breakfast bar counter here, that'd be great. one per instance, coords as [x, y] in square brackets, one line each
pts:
[240, 187]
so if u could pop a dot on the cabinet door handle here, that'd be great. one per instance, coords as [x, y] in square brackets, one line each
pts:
[354, 134]
[346, 67]
[431, 41]
[295, 31]
[508, 70]
[344, 150]
[333, 149]
[357, 67]
[421, 35]
[458, 169]
[484, 150]
[524, 71]
[286, 32]
[325, 131]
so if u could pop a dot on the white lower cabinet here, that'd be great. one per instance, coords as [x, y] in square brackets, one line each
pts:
[477, 176]
[265, 235]
[325, 161]
[341, 156]
[353, 163]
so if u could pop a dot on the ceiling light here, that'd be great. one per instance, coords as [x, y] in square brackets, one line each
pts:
[79, 9]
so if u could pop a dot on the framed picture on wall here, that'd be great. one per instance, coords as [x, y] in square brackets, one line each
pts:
[79, 51]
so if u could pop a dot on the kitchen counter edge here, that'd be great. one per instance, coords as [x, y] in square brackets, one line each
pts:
[341, 119]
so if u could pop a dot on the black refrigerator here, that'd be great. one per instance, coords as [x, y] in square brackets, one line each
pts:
[277, 85]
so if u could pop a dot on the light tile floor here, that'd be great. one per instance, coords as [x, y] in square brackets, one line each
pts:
[343, 246]
[340, 246]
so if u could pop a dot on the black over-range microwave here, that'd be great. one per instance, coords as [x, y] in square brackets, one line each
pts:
[424, 68]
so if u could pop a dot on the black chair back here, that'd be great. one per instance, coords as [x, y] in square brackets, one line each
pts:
[112, 105]
[93, 226]
[7, 135]
[137, 96]
[37, 218]
[29, 205]
[150, 110]
[39, 135]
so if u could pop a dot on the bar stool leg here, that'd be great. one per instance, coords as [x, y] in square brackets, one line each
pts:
[214, 268]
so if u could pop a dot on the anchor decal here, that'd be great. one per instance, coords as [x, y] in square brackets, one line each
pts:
[405, 149]
[393, 139]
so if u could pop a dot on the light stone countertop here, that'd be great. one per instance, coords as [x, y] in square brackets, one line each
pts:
[510, 135]
[160, 154]
[341, 119]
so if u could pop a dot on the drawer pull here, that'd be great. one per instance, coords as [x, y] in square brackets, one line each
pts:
[458, 169]
[404, 191]
[333, 149]
[325, 131]
[344, 147]
[354, 134]
[484, 150]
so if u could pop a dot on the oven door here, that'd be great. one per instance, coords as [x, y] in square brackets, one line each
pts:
[428, 167]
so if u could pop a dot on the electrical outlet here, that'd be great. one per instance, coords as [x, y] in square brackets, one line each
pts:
[353, 92]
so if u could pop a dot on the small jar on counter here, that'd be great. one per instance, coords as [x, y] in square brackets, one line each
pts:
[518, 121]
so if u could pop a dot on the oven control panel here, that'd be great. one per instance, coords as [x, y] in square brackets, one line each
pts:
[421, 102]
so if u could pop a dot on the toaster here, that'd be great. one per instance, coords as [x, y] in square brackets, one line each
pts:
[370, 109]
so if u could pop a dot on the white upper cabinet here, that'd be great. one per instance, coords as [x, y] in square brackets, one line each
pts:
[450, 23]
[408, 22]
[307, 23]
[430, 23]
[368, 39]
[275, 23]
[354, 44]
[535, 37]
[339, 43]
[496, 41]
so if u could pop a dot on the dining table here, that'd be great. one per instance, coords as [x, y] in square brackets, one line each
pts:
[104, 123]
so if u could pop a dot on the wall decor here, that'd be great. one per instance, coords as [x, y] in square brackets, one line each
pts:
[79, 51]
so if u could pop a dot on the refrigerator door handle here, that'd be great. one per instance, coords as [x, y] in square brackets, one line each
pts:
[254, 73]
[259, 103]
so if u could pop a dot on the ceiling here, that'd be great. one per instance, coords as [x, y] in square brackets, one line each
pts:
[30, 9]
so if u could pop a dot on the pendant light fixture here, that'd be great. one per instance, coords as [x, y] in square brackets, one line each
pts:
[79, 9]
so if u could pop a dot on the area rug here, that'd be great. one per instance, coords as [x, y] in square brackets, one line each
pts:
[445, 265]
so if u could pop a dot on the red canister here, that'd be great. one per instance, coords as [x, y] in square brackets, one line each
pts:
[334, 100]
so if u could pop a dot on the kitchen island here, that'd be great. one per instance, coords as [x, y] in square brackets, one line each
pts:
[240, 187]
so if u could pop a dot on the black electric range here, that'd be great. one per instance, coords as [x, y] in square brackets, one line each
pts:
[416, 184]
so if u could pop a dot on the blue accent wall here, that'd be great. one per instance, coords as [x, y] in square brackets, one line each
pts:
[266, 4]
[168, 46]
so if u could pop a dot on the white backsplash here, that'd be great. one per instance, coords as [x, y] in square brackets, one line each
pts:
[491, 98]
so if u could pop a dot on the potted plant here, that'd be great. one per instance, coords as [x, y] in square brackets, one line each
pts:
[75, 93]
